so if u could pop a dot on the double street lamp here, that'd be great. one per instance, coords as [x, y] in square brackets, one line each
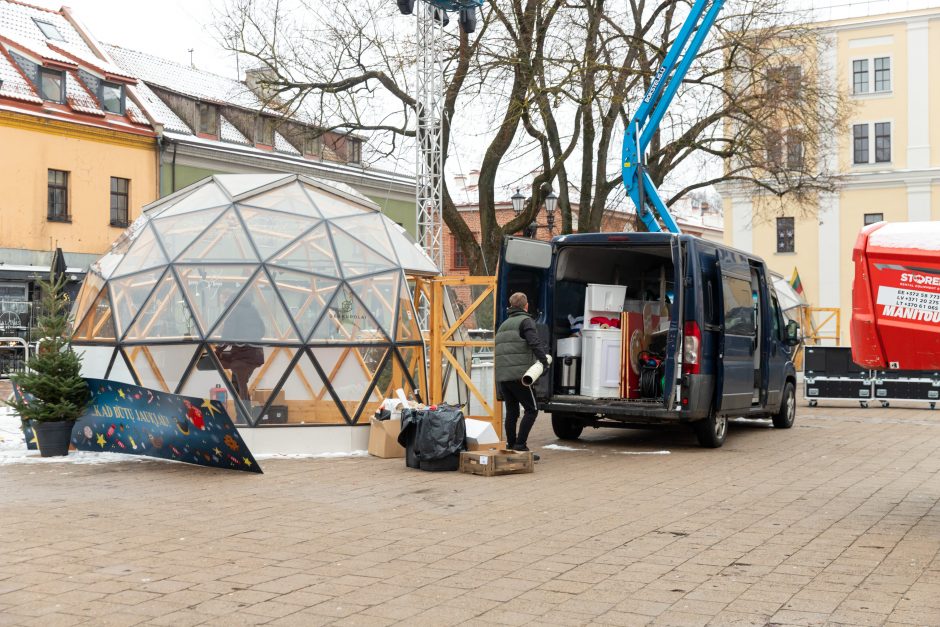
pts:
[551, 202]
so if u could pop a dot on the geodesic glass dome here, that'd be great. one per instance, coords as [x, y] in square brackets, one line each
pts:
[285, 295]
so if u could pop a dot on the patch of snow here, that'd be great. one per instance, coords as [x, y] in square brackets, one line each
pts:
[644, 453]
[917, 235]
[559, 447]
[340, 454]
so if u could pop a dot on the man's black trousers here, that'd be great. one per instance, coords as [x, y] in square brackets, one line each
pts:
[515, 394]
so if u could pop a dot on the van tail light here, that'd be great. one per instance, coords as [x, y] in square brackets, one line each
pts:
[692, 349]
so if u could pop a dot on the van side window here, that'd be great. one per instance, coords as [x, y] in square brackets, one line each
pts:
[775, 314]
[739, 306]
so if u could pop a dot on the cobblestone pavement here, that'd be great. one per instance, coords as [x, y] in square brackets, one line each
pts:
[835, 521]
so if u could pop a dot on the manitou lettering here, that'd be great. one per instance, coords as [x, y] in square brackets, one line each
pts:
[908, 313]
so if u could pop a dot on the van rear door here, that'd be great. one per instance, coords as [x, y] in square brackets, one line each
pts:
[738, 333]
[525, 266]
[673, 366]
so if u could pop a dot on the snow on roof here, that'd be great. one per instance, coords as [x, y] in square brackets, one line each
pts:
[163, 114]
[183, 79]
[229, 133]
[18, 21]
[916, 235]
[282, 145]
[12, 83]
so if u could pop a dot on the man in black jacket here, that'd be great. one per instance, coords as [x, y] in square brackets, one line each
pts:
[518, 346]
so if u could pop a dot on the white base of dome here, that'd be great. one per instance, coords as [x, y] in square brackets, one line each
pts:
[306, 440]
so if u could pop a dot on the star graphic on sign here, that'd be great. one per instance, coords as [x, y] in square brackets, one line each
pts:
[101, 441]
[121, 393]
[209, 407]
[247, 461]
[217, 452]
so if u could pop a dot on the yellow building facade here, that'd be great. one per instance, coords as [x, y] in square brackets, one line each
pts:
[91, 157]
[888, 157]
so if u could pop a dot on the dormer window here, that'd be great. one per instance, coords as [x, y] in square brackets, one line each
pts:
[264, 131]
[208, 119]
[49, 30]
[355, 151]
[313, 144]
[111, 96]
[52, 85]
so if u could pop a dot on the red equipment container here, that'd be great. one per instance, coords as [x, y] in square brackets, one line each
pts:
[896, 296]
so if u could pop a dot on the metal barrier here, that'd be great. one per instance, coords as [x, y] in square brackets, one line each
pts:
[14, 344]
[451, 346]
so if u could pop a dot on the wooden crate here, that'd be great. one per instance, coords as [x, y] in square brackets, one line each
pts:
[492, 463]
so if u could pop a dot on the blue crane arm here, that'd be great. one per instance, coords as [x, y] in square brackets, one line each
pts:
[649, 114]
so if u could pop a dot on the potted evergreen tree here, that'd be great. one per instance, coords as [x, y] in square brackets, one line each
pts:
[54, 394]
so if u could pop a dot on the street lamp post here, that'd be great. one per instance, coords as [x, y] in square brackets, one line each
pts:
[518, 202]
[551, 201]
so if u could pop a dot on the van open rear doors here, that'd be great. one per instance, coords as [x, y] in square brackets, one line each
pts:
[525, 266]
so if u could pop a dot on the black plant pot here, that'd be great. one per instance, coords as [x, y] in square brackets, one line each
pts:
[54, 437]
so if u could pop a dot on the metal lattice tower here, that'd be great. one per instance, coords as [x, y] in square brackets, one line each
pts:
[429, 89]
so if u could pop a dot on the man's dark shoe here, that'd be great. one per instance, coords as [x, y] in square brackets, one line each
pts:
[525, 449]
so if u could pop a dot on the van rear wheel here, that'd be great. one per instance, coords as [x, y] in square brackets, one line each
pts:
[712, 431]
[566, 427]
[784, 418]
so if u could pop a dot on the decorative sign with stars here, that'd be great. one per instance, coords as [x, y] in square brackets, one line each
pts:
[124, 418]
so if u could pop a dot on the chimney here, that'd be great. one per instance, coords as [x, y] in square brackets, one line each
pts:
[261, 83]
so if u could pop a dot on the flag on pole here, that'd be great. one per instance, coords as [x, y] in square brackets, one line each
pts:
[795, 282]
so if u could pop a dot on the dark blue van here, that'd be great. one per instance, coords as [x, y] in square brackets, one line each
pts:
[691, 331]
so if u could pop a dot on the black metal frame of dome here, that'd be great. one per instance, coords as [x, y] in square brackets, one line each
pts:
[309, 273]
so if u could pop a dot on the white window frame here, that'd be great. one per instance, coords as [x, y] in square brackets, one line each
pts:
[871, 93]
[871, 144]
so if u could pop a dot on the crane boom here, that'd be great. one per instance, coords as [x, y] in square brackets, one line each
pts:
[645, 122]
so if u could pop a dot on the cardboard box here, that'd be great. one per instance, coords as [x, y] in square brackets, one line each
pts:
[480, 432]
[383, 439]
[473, 445]
[493, 463]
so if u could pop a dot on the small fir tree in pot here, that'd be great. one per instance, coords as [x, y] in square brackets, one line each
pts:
[54, 394]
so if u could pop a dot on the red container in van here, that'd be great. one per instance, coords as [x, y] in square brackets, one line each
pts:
[896, 296]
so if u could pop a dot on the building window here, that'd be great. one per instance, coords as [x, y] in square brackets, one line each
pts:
[313, 144]
[355, 151]
[460, 259]
[774, 151]
[860, 143]
[794, 150]
[120, 190]
[208, 119]
[264, 131]
[58, 201]
[49, 30]
[111, 96]
[860, 76]
[871, 218]
[52, 85]
[785, 235]
[883, 142]
[883, 74]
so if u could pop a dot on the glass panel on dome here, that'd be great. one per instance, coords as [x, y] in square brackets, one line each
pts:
[406, 330]
[355, 258]
[288, 198]
[160, 366]
[236, 184]
[271, 230]
[91, 287]
[176, 234]
[164, 316]
[306, 295]
[378, 293]
[350, 371]
[144, 253]
[312, 253]
[413, 361]
[332, 206]
[257, 316]
[225, 240]
[410, 254]
[304, 399]
[251, 373]
[347, 320]
[120, 373]
[98, 323]
[130, 293]
[211, 287]
[95, 360]
[206, 381]
[369, 228]
[209, 195]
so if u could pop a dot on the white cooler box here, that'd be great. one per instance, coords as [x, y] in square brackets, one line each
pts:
[600, 363]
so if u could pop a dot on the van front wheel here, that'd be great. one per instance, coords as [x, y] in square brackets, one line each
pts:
[566, 427]
[784, 418]
[712, 431]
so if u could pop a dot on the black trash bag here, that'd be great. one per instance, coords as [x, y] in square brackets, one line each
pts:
[433, 439]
